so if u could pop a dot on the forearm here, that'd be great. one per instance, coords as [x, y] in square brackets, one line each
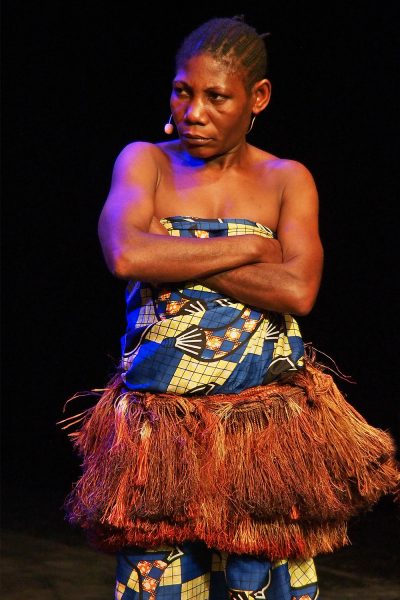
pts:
[267, 286]
[163, 258]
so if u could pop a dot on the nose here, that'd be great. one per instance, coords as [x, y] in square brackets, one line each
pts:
[195, 112]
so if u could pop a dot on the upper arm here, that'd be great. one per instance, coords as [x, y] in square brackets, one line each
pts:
[298, 229]
[130, 203]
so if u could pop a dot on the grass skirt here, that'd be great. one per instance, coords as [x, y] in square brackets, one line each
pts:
[276, 470]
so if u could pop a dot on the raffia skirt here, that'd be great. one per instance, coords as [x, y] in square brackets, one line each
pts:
[275, 470]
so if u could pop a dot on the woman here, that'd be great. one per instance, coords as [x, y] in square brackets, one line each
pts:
[220, 459]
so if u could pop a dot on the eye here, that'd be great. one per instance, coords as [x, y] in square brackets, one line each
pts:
[180, 91]
[216, 97]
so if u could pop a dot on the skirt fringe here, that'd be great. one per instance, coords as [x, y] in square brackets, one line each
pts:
[275, 470]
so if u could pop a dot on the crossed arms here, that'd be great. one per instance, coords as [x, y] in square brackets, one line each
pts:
[280, 275]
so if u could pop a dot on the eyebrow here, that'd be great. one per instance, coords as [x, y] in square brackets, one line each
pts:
[211, 88]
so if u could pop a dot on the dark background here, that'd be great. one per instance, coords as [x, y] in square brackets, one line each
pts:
[80, 81]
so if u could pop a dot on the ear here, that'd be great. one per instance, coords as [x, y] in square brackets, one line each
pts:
[261, 94]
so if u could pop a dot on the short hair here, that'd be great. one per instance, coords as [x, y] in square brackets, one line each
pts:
[231, 41]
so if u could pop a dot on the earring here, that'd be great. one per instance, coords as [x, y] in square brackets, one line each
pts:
[251, 124]
[169, 127]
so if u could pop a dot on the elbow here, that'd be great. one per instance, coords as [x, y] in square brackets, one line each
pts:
[302, 302]
[119, 266]
[302, 309]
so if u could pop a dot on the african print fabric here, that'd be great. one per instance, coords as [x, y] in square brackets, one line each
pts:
[192, 571]
[188, 339]
[254, 472]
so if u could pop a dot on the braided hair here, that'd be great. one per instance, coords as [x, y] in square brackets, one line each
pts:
[231, 41]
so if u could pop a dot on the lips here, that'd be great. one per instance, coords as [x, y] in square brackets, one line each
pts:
[191, 138]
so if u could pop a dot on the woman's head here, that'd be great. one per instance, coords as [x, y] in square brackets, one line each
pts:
[219, 86]
[232, 42]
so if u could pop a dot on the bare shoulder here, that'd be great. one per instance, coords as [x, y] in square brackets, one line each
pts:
[284, 169]
[292, 172]
[136, 151]
[156, 153]
[298, 187]
[137, 161]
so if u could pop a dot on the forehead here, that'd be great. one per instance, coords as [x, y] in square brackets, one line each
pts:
[205, 71]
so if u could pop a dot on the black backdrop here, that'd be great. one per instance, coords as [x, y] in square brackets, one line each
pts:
[80, 81]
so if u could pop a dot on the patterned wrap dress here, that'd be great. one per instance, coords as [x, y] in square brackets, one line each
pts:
[221, 457]
[188, 339]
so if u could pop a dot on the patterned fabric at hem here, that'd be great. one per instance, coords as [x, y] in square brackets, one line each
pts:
[192, 571]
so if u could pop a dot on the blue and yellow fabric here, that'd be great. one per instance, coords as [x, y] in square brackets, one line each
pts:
[189, 339]
[193, 572]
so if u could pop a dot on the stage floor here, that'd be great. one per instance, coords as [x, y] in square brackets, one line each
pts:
[58, 565]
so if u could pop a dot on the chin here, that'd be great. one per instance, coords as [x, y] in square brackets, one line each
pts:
[201, 151]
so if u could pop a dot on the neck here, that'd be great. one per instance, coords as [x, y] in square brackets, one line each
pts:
[234, 157]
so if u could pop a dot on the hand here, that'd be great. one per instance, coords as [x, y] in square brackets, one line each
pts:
[270, 250]
[156, 228]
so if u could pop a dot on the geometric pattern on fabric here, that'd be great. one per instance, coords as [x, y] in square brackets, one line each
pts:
[191, 571]
[302, 572]
[196, 589]
[298, 579]
[186, 328]
[163, 575]
[250, 574]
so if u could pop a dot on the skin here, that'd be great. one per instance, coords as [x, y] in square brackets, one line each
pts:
[215, 174]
